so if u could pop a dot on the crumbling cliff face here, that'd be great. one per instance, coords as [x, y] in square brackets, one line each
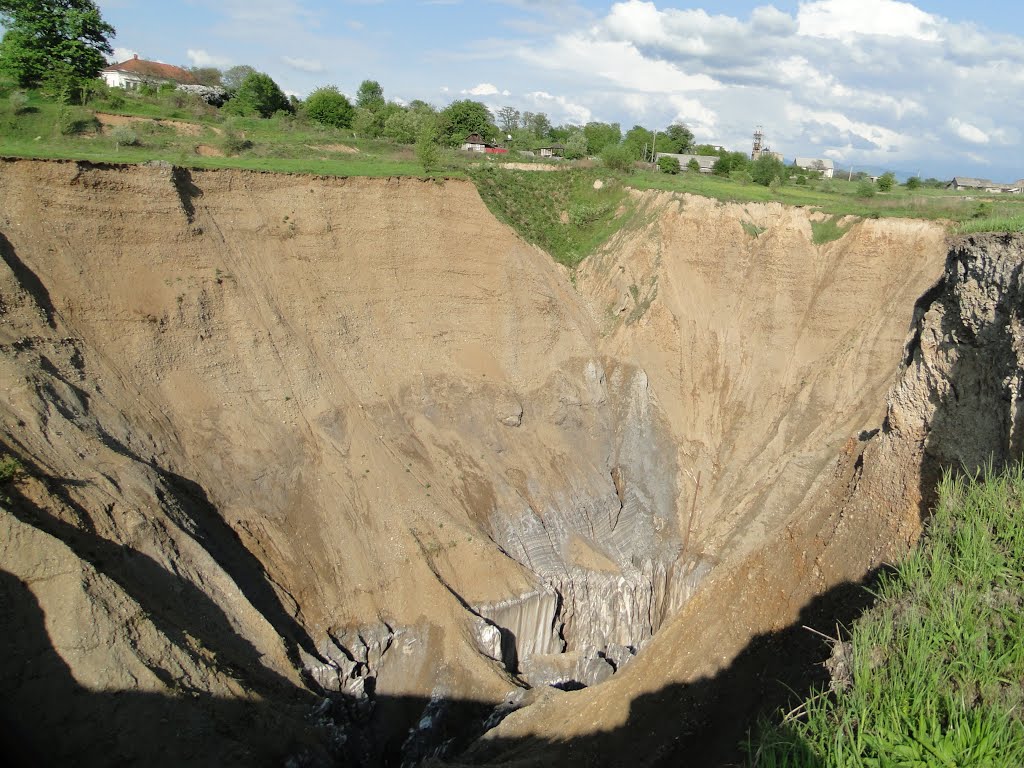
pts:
[953, 407]
[332, 464]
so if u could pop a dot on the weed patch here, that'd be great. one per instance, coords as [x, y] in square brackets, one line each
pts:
[932, 673]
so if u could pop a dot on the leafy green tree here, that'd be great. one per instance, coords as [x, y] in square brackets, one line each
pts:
[676, 139]
[428, 152]
[575, 144]
[508, 119]
[886, 181]
[233, 78]
[617, 157]
[370, 96]
[329, 106]
[914, 182]
[668, 164]
[693, 165]
[639, 142]
[600, 135]
[42, 35]
[767, 169]
[210, 76]
[462, 118]
[259, 94]
[539, 125]
[729, 162]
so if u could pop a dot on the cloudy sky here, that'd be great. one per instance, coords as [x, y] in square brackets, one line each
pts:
[933, 87]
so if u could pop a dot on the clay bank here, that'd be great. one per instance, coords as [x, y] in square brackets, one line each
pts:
[342, 471]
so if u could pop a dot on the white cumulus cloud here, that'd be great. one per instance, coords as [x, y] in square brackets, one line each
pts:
[200, 58]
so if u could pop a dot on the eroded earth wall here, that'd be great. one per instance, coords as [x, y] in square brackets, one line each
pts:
[353, 446]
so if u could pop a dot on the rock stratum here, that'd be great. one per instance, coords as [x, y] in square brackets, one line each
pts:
[341, 471]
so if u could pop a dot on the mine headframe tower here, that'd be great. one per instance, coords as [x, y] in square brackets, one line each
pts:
[759, 147]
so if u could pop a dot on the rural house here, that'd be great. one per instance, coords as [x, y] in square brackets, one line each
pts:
[554, 150]
[706, 162]
[984, 185]
[476, 143]
[137, 72]
[826, 167]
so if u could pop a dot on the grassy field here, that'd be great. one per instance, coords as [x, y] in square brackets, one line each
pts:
[185, 131]
[561, 212]
[934, 672]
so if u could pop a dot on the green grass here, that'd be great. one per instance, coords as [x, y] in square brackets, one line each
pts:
[827, 230]
[937, 665]
[559, 211]
[533, 203]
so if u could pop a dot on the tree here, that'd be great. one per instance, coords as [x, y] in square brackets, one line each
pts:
[44, 35]
[676, 139]
[766, 169]
[575, 144]
[639, 142]
[210, 76]
[886, 181]
[427, 150]
[462, 118]
[329, 106]
[668, 164]
[539, 125]
[259, 94]
[617, 157]
[233, 78]
[370, 96]
[693, 165]
[914, 182]
[600, 135]
[731, 161]
[508, 119]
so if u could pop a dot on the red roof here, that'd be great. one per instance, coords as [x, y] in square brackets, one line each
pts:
[153, 69]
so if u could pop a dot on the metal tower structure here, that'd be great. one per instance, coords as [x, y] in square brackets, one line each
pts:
[758, 143]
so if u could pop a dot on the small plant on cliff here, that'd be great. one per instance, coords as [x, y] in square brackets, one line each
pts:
[9, 469]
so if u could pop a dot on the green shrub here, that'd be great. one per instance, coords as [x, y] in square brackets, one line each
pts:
[232, 140]
[9, 469]
[19, 102]
[329, 106]
[428, 152]
[866, 189]
[72, 121]
[125, 136]
[616, 157]
[669, 165]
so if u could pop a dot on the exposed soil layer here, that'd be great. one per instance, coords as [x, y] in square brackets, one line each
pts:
[350, 447]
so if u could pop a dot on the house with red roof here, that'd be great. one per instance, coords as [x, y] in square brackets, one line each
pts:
[137, 72]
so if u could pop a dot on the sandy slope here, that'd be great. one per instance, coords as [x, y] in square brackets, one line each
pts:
[318, 407]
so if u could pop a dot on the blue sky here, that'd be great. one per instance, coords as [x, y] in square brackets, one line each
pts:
[933, 87]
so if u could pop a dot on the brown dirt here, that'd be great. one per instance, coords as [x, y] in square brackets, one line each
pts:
[320, 404]
[343, 148]
[185, 129]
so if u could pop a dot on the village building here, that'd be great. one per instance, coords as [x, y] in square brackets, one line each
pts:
[136, 72]
[476, 143]
[825, 167]
[553, 150]
[972, 184]
[706, 162]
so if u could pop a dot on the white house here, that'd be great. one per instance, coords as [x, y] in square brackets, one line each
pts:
[826, 167]
[137, 72]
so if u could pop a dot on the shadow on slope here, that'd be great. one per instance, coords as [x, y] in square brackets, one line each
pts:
[47, 715]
